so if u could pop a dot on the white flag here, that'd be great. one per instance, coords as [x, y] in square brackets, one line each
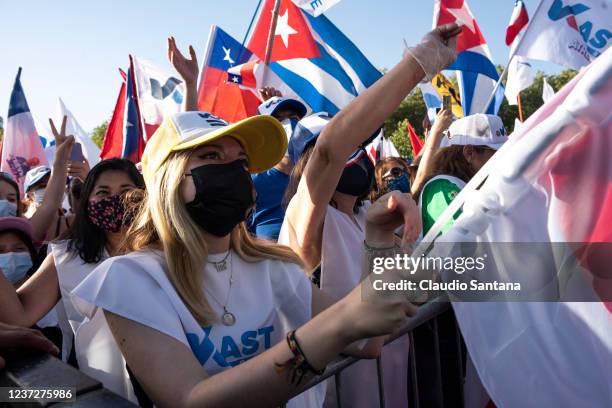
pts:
[90, 150]
[520, 76]
[549, 188]
[159, 94]
[547, 91]
[569, 35]
[315, 7]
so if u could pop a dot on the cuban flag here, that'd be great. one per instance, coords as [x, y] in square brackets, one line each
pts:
[21, 149]
[311, 59]
[476, 72]
[216, 94]
[133, 141]
[432, 99]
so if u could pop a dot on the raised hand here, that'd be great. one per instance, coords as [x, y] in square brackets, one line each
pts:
[78, 169]
[437, 49]
[186, 67]
[388, 213]
[63, 143]
[269, 92]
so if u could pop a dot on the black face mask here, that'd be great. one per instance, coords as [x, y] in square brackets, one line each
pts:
[224, 194]
[357, 176]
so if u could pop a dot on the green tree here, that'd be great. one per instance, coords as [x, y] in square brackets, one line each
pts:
[98, 133]
[413, 109]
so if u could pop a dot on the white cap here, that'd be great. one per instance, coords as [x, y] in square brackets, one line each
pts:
[479, 129]
[275, 103]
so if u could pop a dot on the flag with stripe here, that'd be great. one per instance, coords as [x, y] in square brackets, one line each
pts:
[218, 93]
[476, 72]
[113, 137]
[520, 73]
[21, 148]
[133, 140]
[311, 58]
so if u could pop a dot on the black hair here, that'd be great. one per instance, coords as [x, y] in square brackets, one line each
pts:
[5, 177]
[87, 240]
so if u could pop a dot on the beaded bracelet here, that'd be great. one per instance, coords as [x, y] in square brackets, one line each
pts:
[297, 365]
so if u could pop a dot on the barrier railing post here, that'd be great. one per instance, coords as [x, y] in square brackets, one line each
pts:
[338, 389]
[413, 372]
[381, 389]
[460, 364]
[437, 362]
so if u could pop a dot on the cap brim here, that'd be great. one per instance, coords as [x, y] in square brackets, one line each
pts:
[494, 146]
[293, 105]
[262, 137]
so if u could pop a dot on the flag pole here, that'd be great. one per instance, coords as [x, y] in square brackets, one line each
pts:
[271, 35]
[248, 31]
[520, 106]
[512, 54]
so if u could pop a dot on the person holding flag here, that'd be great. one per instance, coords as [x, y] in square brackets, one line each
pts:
[323, 224]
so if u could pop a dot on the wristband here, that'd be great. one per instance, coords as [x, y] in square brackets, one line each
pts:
[298, 365]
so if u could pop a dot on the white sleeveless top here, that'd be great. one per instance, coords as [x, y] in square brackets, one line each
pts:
[341, 267]
[268, 298]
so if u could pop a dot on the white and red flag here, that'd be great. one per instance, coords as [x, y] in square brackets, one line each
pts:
[548, 192]
[21, 147]
[520, 73]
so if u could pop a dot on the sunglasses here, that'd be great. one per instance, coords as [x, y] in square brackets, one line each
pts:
[395, 172]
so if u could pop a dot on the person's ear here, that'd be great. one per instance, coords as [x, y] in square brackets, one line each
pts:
[468, 153]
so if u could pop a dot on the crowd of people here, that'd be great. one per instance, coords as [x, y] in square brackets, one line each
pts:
[226, 272]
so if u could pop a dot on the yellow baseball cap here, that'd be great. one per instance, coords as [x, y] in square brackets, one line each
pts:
[262, 137]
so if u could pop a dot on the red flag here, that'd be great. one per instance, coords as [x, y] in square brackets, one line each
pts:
[415, 141]
[113, 137]
[217, 94]
[292, 37]
[518, 21]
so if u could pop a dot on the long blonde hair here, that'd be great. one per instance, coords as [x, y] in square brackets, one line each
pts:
[163, 223]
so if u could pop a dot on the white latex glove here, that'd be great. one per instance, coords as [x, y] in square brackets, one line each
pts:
[436, 50]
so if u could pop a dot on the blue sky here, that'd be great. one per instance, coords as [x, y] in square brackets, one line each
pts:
[72, 49]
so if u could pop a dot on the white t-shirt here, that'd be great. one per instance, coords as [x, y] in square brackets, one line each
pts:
[268, 298]
[95, 350]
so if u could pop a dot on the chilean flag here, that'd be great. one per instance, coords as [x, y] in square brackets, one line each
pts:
[518, 21]
[113, 137]
[22, 148]
[216, 94]
[133, 139]
[476, 72]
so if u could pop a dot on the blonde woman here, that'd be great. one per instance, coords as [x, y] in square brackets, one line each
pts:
[204, 313]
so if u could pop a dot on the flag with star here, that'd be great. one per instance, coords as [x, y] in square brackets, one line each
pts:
[217, 92]
[311, 59]
[476, 72]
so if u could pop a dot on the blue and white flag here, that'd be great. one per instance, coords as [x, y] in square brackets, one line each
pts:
[315, 61]
[476, 73]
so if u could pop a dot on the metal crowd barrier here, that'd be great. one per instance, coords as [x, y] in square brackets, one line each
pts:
[427, 313]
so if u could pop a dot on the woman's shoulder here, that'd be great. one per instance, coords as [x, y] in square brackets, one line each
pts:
[148, 260]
